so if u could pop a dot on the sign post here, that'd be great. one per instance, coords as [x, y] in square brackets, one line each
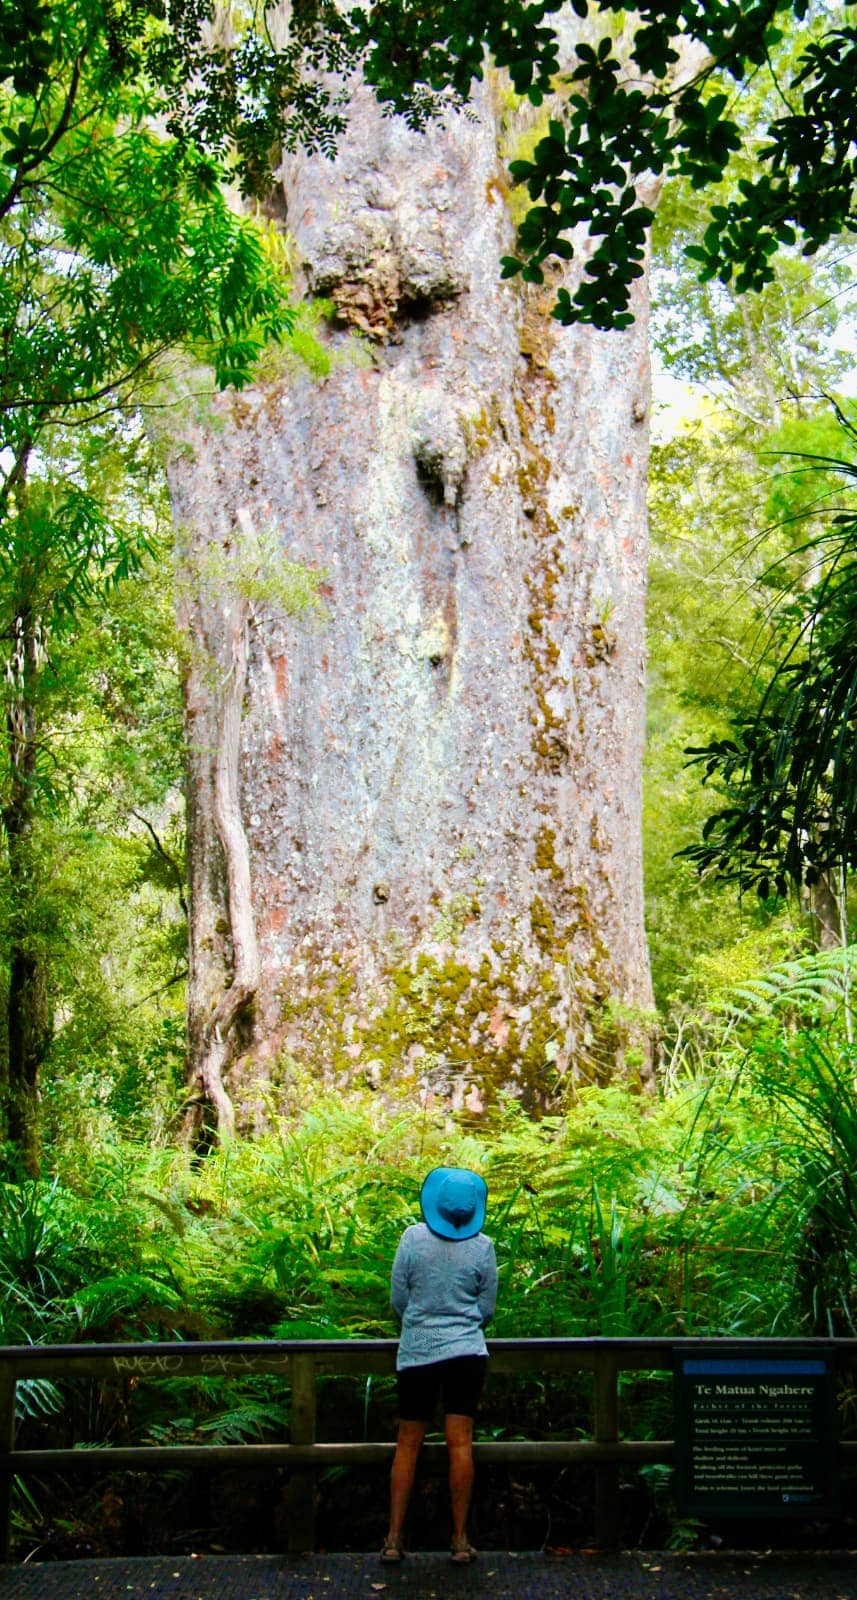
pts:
[755, 1435]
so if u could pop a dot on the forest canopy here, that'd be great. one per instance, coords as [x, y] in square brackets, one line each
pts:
[650, 93]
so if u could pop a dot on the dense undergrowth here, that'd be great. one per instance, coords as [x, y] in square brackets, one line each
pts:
[724, 1206]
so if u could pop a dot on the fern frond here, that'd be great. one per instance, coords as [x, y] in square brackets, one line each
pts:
[813, 982]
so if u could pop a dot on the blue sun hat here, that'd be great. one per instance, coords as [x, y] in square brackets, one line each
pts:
[453, 1201]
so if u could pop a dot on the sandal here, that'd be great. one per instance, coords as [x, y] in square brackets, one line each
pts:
[462, 1553]
[391, 1552]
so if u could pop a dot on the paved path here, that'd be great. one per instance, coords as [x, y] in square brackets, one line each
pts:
[634, 1576]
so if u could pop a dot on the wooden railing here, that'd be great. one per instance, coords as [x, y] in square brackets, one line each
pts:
[301, 1362]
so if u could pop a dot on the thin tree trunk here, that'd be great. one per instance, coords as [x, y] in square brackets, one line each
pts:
[826, 914]
[214, 1021]
[28, 1012]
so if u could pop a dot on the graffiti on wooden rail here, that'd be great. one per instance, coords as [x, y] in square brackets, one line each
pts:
[168, 1365]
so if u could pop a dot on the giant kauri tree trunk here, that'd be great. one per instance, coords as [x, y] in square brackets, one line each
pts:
[440, 779]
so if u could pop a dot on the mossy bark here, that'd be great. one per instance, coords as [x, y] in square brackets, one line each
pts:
[29, 1022]
[440, 783]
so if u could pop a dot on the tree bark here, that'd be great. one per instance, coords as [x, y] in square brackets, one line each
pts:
[28, 1011]
[826, 914]
[222, 880]
[441, 782]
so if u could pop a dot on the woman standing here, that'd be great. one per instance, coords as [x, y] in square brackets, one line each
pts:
[444, 1289]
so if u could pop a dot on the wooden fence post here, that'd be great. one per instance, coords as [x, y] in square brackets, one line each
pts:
[7, 1443]
[606, 1431]
[301, 1491]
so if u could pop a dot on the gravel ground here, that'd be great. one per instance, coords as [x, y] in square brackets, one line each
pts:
[634, 1576]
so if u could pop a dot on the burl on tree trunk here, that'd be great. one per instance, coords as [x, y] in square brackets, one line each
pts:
[440, 778]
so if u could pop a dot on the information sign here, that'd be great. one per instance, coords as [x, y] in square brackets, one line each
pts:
[755, 1436]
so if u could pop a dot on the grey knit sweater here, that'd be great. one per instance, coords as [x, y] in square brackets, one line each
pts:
[443, 1292]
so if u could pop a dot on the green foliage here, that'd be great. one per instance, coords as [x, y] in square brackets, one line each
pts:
[618, 1217]
[610, 1257]
[612, 130]
[37, 1256]
[703, 1212]
[733, 511]
[117, 246]
[805, 1071]
[120, 256]
[608, 129]
[706, 620]
[255, 569]
[101, 904]
[761, 356]
[786, 768]
[812, 987]
[229, 90]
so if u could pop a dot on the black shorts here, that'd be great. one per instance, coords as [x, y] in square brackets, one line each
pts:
[458, 1383]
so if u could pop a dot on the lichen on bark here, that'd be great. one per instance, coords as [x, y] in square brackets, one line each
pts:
[440, 784]
[223, 585]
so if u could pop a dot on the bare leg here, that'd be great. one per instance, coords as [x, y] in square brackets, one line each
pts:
[459, 1443]
[410, 1437]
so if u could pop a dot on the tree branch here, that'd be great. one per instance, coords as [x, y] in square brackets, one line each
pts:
[17, 472]
[45, 149]
[230, 829]
[165, 856]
